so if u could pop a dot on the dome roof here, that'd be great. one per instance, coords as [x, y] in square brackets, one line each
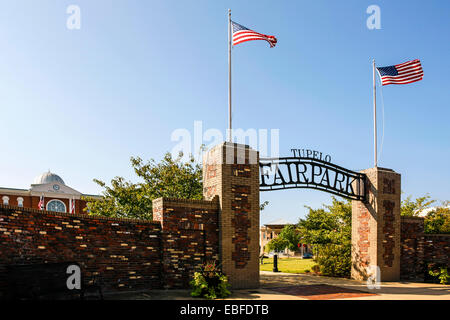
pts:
[48, 177]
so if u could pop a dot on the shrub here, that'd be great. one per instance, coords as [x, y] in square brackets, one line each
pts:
[210, 283]
[439, 272]
[315, 268]
[334, 260]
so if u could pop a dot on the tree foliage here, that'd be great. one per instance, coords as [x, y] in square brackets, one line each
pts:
[171, 178]
[328, 229]
[438, 220]
[291, 237]
[277, 244]
[331, 224]
[413, 208]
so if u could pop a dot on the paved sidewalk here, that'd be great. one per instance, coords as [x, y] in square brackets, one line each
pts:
[387, 291]
[303, 287]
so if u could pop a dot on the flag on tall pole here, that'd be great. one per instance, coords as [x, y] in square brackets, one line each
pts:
[229, 75]
[403, 73]
[237, 34]
[243, 34]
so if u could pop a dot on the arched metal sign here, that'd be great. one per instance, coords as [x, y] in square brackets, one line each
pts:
[301, 172]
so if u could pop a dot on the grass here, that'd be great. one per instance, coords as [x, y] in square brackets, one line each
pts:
[288, 265]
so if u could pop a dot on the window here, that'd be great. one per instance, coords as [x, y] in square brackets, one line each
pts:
[20, 201]
[5, 200]
[56, 205]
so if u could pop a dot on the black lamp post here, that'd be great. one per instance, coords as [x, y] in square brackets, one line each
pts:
[275, 263]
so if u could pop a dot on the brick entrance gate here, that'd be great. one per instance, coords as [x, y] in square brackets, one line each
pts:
[231, 173]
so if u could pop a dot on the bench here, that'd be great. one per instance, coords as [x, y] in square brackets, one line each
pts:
[46, 281]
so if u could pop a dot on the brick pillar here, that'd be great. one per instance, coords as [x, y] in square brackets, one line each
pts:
[376, 226]
[231, 171]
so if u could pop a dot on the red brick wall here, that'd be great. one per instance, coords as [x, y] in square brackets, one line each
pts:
[240, 221]
[190, 237]
[412, 240]
[418, 249]
[125, 253]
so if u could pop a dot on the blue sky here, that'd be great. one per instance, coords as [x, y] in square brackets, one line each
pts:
[81, 102]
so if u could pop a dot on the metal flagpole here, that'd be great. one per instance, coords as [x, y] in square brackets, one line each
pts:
[229, 74]
[374, 115]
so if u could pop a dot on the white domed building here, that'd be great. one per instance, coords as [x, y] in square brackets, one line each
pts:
[51, 189]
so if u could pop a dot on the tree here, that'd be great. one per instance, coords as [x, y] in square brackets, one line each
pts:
[169, 178]
[331, 224]
[291, 237]
[438, 220]
[329, 230]
[411, 208]
[277, 244]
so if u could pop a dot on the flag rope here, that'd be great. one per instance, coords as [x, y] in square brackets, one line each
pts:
[382, 108]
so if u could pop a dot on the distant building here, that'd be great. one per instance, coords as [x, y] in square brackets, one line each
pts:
[57, 195]
[271, 230]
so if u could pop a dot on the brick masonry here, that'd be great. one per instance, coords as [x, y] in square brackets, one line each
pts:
[127, 254]
[376, 226]
[231, 172]
[190, 237]
[418, 249]
[124, 253]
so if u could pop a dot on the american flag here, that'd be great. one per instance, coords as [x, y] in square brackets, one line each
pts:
[402, 73]
[41, 203]
[72, 206]
[242, 34]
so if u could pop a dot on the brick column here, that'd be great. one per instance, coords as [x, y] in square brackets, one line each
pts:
[231, 171]
[376, 226]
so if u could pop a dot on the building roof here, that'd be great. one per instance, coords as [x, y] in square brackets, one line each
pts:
[48, 177]
[278, 222]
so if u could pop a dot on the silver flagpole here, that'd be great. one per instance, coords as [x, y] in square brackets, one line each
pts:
[375, 115]
[229, 74]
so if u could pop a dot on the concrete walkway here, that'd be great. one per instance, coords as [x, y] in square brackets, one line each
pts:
[387, 291]
[301, 283]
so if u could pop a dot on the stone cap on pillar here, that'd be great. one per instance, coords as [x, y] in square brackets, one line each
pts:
[231, 153]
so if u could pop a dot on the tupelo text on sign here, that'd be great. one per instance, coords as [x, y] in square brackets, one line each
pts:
[311, 154]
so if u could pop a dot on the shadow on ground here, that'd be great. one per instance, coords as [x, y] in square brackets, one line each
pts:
[284, 286]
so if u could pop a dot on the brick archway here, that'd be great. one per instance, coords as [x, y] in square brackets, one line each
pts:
[231, 172]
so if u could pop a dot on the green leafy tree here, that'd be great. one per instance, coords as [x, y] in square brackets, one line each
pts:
[328, 229]
[438, 220]
[171, 178]
[413, 208]
[291, 237]
[277, 244]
